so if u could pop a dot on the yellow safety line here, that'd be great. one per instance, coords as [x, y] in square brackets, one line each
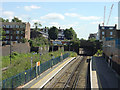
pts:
[49, 73]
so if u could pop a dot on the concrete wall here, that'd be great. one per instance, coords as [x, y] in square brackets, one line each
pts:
[41, 50]
[18, 47]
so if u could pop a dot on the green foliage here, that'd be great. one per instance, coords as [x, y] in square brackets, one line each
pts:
[15, 19]
[22, 62]
[36, 25]
[70, 34]
[99, 52]
[72, 54]
[53, 33]
[39, 41]
[24, 40]
[2, 33]
[3, 20]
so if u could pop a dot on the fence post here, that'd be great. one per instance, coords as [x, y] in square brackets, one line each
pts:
[12, 82]
[25, 76]
[30, 74]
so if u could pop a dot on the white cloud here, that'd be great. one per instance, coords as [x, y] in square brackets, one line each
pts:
[82, 17]
[40, 21]
[52, 16]
[97, 22]
[90, 18]
[8, 14]
[29, 8]
[72, 14]
[18, 7]
[54, 24]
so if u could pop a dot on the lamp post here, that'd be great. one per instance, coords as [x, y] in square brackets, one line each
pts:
[10, 47]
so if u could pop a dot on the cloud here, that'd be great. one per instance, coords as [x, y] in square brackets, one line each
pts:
[8, 14]
[54, 24]
[29, 8]
[17, 7]
[97, 22]
[90, 18]
[72, 14]
[82, 17]
[52, 16]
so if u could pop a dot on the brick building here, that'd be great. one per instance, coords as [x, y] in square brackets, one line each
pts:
[15, 31]
[107, 32]
[110, 36]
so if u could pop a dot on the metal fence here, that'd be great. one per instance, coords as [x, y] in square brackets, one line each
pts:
[26, 76]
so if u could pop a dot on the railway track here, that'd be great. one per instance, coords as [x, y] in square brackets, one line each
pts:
[74, 77]
[70, 77]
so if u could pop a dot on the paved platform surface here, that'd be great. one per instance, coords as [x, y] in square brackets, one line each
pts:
[107, 77]
[47, 75]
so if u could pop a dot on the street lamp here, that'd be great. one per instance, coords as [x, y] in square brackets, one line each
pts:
[10, 47]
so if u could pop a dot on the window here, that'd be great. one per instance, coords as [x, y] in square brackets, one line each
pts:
[7, 26]
[17, 32]
[103, 33]
[21, 37]
[111, 33]
[21, 32]
[21, 26]
[11, 26]
[7, 31]
[11, 37]
[3, 26]
[7, 37]
[17, 37]
[17, 26]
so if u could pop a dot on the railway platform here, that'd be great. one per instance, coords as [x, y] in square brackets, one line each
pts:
[103, 76]
[46, 76]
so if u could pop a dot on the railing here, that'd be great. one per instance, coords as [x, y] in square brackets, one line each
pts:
[26, 76]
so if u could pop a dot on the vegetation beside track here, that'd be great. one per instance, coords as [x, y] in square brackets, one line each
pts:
[22, 62]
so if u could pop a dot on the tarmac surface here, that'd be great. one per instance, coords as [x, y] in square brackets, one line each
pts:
[107, 77]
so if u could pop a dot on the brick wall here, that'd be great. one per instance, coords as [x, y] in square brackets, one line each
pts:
[19, 47]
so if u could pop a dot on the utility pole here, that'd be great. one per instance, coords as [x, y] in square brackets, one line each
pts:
[10, 47]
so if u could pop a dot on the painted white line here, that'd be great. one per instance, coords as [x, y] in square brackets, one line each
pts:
[55, 74]
[93, 77]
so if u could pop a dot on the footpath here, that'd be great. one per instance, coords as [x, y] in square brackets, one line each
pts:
[103, 76]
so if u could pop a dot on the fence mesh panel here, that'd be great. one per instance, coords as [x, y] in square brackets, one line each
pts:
[26, 76]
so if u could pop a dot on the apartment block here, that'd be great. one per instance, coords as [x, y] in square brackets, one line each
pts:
[15, 31]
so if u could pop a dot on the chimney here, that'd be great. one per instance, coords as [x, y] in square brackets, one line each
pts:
[59, 27]
[115, 26]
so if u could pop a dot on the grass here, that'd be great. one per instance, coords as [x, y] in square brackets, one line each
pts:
[22, 62]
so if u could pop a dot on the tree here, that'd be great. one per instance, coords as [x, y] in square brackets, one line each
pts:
[70, 34]
[15, 19]
[37, 24]
[2, 33]
[53, 33]
[3, 20]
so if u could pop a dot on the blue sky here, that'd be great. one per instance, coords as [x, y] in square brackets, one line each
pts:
[84, 17]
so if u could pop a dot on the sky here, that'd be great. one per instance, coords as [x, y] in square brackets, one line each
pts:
[84, 17]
